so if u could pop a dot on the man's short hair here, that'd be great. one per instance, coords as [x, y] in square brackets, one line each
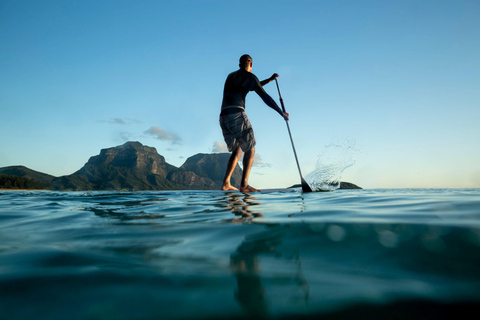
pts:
[244, 58]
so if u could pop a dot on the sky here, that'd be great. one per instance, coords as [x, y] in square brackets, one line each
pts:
[394, 83]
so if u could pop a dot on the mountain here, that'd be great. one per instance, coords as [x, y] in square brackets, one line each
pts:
[348, 185]
[212, 166]
[27, 173]
[131, 166]
[20, 177]
[343, 185]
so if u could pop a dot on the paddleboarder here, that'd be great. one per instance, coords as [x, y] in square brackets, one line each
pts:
[236, 128]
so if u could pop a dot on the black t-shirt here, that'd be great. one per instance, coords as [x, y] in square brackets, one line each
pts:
[237, 85]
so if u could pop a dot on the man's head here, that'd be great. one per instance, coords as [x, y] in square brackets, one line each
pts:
[246, 62]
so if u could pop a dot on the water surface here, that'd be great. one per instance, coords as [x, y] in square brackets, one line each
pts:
[213, 254]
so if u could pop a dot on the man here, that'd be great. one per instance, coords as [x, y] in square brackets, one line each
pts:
[236, 128]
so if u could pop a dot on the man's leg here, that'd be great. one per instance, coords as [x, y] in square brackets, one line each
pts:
[247, 166]
[232, 163]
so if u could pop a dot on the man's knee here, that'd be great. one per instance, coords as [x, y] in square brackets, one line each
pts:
[237, 153]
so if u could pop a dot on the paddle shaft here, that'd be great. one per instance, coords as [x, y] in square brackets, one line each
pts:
[305, 185]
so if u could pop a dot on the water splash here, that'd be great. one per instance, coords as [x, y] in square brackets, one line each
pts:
[332, 162]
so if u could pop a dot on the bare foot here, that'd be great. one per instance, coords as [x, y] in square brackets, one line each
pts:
[228, 187]
[248, 189]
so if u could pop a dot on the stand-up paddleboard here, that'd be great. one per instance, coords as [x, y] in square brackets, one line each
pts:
[281, 190]
[317, 189]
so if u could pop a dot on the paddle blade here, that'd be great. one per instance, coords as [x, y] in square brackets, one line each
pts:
[305, 186]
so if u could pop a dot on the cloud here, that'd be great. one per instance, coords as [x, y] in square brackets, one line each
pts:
[161, 134]
[121, 121]
[258, 162]
[219, 146]
[126, 136]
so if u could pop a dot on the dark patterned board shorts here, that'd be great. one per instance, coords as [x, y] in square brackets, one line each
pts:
[237, 131]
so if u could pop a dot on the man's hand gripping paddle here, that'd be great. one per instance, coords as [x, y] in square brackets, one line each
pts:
[305, 186]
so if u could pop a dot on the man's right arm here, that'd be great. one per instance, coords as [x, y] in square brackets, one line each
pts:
[273, 77]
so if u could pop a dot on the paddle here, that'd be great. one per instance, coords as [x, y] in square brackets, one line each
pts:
[305, 186]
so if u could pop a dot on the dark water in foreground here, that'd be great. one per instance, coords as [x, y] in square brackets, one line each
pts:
[348, 254]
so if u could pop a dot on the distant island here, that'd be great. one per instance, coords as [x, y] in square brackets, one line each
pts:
[133, 167]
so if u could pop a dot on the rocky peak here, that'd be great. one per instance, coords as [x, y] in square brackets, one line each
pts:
[131, 155]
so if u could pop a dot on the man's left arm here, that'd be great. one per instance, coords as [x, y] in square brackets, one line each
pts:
[269, 100]
[273, 77]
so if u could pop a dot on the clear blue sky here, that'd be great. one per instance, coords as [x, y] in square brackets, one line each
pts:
[399, 78]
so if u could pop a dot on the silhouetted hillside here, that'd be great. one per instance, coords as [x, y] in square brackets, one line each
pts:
[212, 166]
[20, 177]
[343, 185]
[22, 171]
[131, 166]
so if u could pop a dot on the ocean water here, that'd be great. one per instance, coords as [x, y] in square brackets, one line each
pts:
[347, 254]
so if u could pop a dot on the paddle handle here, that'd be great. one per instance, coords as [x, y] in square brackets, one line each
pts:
[281, 99]
[289, 132]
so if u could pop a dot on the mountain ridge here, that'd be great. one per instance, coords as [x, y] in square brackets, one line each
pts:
[131, 166]
[22, 171]
[134, 166]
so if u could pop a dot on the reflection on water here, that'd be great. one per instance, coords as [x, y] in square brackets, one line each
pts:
[246, 260]
[246, 265]
[242, 205]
